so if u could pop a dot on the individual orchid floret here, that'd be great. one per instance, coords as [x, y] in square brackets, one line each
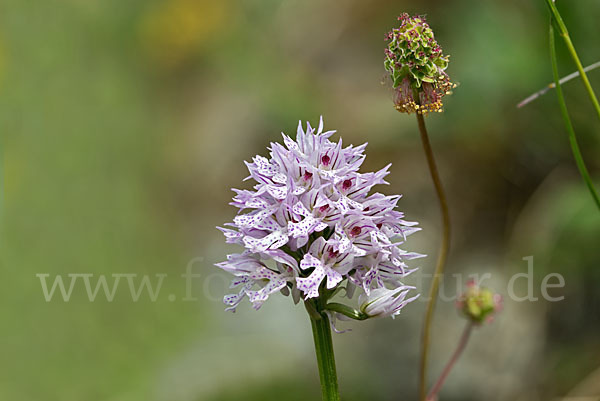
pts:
[479, 304]
[417, 67]
[311, 225]
[384, 302]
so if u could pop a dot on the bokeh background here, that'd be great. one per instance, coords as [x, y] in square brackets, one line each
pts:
[124, 125]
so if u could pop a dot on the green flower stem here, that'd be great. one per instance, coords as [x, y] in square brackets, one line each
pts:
[321, 328]
[462, 343]
[441, 261]
[567, 120]
[564, 33]
[346, 311]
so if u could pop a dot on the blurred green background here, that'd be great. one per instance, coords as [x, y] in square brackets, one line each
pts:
[125, 123]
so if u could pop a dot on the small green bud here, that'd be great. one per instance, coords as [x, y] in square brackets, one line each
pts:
[417, 67]
[479, 304]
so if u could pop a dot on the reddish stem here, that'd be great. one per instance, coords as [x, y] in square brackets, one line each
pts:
[464, 339]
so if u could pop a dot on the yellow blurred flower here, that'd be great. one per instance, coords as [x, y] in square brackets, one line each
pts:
[174, 31]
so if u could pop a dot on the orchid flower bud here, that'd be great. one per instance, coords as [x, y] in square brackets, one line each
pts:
[382, 302]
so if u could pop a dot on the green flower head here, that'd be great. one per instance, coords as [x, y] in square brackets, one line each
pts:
[416, 66]
[479, 304]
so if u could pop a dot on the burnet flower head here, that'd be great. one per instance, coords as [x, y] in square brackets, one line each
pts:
[479, 304]
[417, 67]
[311, 225]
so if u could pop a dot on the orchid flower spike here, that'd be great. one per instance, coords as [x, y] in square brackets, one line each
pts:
[311, 226]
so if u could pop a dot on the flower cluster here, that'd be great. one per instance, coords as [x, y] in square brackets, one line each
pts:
[416, 66]
[479, 304]
[310, 225]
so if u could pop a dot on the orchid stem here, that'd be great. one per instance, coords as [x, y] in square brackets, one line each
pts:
[567, 120]
[441, 261]
[462, 343]
[564, 33]
[346, 311]
[321, 328]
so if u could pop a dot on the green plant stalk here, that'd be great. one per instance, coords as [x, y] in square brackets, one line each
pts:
[321, 328]
[441, 261]
[567, 120]
[564, 33]
[552, 85]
